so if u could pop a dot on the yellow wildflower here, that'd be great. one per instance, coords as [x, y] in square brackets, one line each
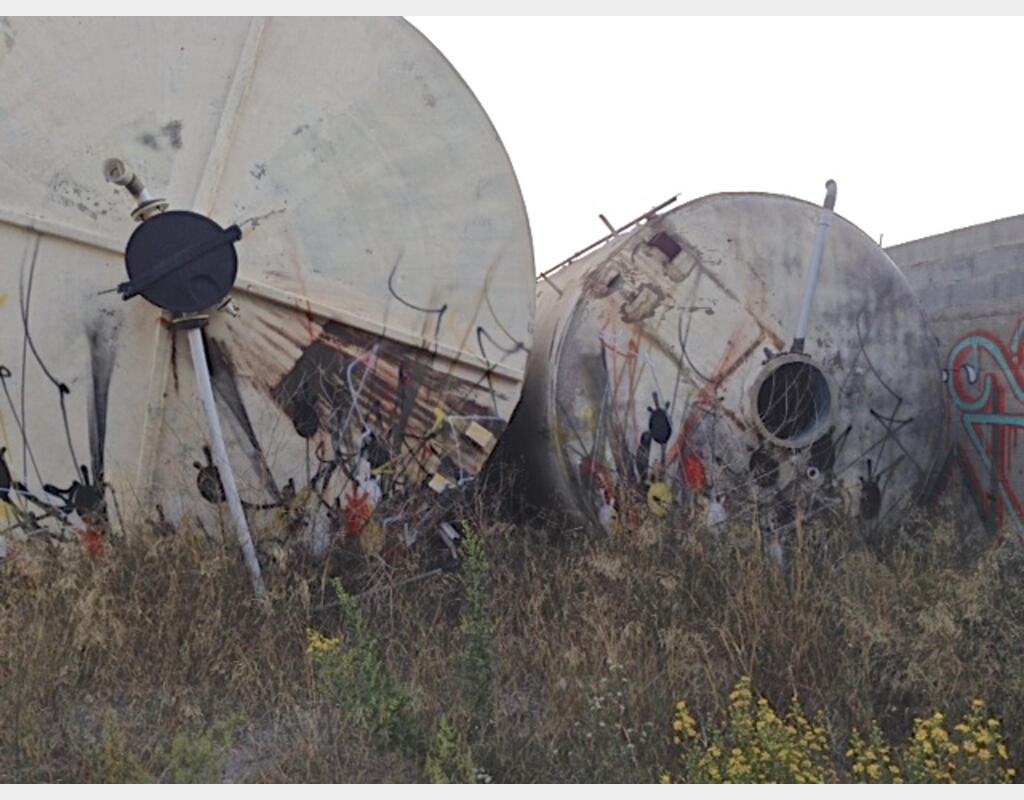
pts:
[318, 644]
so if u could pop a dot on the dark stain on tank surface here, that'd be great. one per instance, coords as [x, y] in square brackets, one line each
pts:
[101, 335]
[174, 359]
[172, 130]
[8, 33]
[764, 469]
[70, 194]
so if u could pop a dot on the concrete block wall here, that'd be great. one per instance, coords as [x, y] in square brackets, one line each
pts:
[970, 283]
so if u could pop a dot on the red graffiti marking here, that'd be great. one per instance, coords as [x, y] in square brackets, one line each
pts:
[93, 542]
[598, 476]
[357, 511]
[694, 474]
[630, 354]
[745, 339]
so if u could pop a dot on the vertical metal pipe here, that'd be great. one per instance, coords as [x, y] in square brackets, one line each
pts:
[220, 459]
[812, 279]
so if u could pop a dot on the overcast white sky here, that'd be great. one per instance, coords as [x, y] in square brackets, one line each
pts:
[918, 120]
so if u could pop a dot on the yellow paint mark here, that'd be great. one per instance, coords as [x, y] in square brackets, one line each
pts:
[659, 499]
[440, 419]
[439, 483]
[3, 299]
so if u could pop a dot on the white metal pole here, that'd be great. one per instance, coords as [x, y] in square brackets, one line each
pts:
[220, 459]
[812, 280]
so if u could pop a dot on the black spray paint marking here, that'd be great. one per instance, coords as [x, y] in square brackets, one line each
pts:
[102, 339]
[391, 288]
[225, 387]
[890, 431]
[24, 298]
[5, 373]
[481, 334]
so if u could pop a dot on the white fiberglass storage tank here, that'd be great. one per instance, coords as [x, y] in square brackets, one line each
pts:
[384, 287]
[664, 380]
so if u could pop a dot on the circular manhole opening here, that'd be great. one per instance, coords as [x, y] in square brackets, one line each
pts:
[793, 401]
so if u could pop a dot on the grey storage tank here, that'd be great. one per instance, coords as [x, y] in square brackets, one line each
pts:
[670, 377]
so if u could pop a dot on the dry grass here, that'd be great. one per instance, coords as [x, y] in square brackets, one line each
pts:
[153, 662]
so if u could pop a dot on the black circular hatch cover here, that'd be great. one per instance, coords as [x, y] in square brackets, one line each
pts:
[181, 261]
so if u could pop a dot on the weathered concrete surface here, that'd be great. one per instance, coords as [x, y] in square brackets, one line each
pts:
[971, 284]
[650, 392]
